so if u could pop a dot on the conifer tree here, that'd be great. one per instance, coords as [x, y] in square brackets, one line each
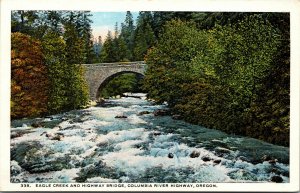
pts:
[54, 53]
[127, 32]
[144, 36]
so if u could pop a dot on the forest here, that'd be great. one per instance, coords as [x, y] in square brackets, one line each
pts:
[226, 71]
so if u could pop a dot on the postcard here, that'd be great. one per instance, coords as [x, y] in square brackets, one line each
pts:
[149, 95]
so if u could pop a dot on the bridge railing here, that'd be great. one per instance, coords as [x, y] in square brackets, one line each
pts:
[117, 63]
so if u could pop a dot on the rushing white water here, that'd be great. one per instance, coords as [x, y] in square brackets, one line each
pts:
[92, 145]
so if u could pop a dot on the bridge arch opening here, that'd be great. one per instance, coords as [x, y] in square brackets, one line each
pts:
[114, 84]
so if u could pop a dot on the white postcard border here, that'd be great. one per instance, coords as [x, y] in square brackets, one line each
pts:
[292, 6]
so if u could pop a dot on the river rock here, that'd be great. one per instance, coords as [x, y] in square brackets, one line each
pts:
[286, 173]
[195, 154]
[206, 159]
[120, 117]
[55, 136]
[160, 112]
[156, 133]
[144, 113]
[49, 135]
[276, 179]
[217, 161]
[15, 135]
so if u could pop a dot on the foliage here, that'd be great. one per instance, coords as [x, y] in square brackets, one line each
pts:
[38, 23]
[54, 53]
[67, 89]
[132, 43]
[65, 38]
[221, 78]
[29, 83]
[127, 32]
[77, 92]
[168, 62]
[144, 36]
[108, 51]
[127, 82]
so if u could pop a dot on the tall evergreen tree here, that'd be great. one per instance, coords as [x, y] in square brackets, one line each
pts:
[144, 35]
[127, 32]
[77, 91]
[107, 53]
[54, 53]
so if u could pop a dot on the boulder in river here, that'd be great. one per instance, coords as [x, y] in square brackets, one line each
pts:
[56, 136]
[195, 154]
[144, 113]
[170, 155]
[156, 133]
[120, 117]
[276, 179]
[15, 135]
[206, 159]
[286, 173]
[19, 133]
[217, 161]
[161, 112]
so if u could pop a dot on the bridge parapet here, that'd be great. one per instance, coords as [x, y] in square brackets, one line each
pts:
[116, 64]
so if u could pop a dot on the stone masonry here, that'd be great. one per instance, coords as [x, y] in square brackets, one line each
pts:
[97, 74]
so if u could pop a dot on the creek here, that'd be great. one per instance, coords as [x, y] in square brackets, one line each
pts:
[123, 141]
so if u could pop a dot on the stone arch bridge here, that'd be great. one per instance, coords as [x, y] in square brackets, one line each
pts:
[97, 75]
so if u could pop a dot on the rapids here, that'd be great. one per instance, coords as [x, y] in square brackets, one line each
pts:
[92, 145]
